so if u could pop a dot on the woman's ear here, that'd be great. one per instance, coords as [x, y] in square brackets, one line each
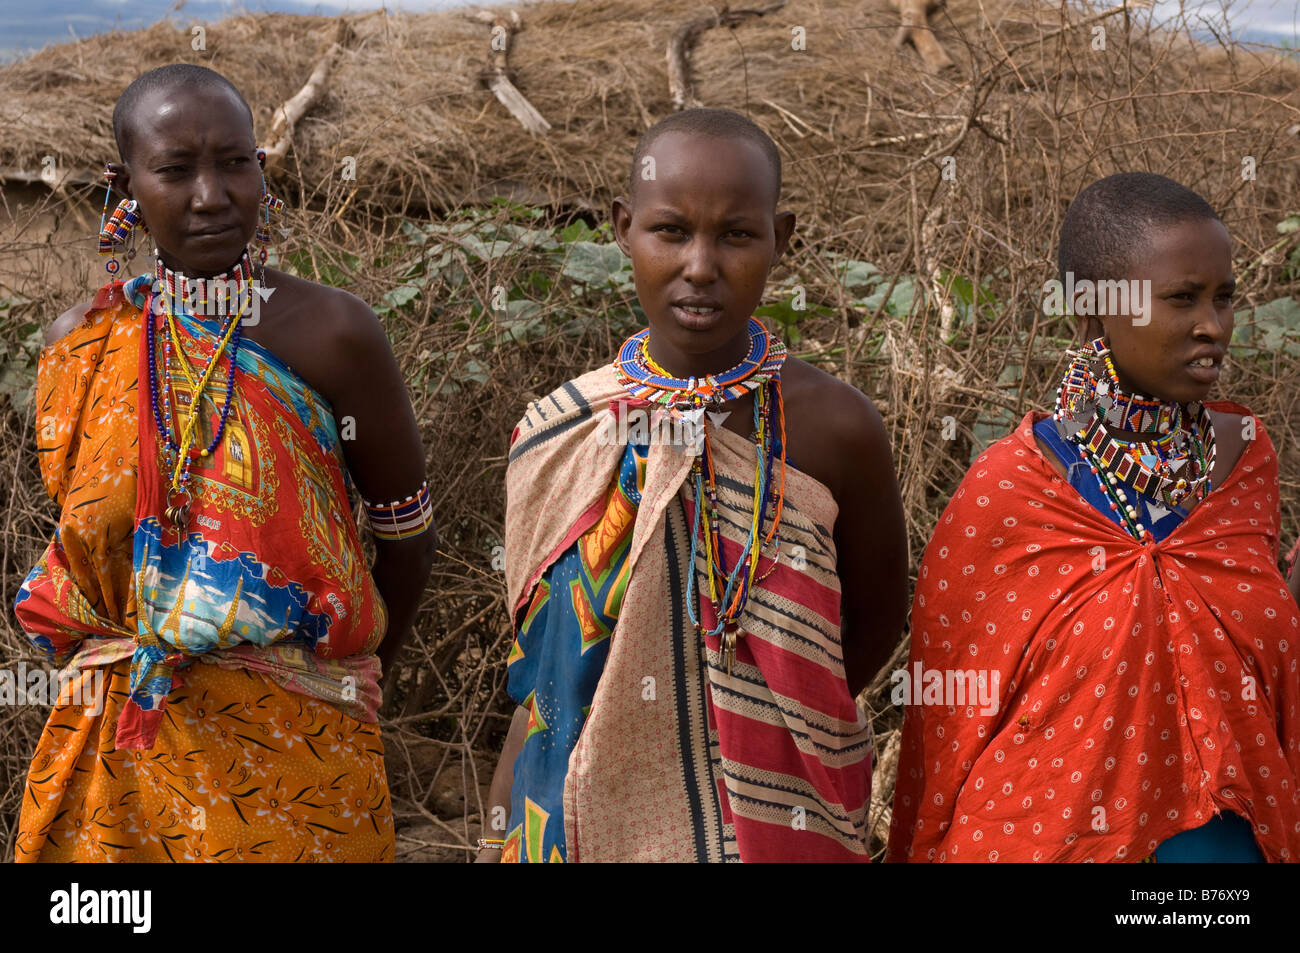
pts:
[121, 179]
[783, 227]
[1090, 328]
[620, 215]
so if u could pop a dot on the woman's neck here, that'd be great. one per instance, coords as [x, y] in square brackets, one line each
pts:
[685, 365]
[165, 263]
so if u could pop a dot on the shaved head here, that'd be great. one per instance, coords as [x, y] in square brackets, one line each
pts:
[1108, 225]
[708, 124]
[165, 79]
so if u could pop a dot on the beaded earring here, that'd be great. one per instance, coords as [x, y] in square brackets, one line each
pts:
[1082, 389]
[118, 229]
[270, 205]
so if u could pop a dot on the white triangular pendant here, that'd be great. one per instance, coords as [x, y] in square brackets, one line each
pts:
[1157, 512]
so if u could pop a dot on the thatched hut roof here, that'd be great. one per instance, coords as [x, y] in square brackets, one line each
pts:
[406, 96]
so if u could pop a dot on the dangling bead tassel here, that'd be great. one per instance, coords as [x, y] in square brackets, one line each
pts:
[125, 217]
[105, 242]
[270, 206]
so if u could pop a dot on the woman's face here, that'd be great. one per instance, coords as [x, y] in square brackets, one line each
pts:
[193, 168]
[702, 235]
[1175, 351]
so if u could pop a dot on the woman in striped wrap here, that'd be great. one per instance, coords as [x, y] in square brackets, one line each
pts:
[638, 737]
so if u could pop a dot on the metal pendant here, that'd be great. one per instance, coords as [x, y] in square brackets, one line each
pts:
[730, 636]
[178, 514]
[179, 517]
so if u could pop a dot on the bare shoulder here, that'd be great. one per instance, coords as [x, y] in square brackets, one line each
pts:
[355, 331]
[331, 311]
[834, 431]
[1231, 434]
[826, 404]
[68, 321]
[327, 335]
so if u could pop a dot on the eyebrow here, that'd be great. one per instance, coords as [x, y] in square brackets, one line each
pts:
[180, 152]
[1190, 285]
[740, 218]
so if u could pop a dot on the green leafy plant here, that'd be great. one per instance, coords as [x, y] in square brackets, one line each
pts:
[18, 357]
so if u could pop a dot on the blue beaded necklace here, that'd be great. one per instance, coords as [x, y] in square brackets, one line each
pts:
[643, 379]
[759, 372]
[178, 454]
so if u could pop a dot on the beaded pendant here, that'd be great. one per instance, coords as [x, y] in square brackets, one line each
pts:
[758, 372]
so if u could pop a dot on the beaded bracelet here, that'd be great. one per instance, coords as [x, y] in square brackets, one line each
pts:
[490, 843]
[401, 519]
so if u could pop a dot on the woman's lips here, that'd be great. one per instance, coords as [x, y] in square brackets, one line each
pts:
[695, 321]
[203, 236]
[1203, 374]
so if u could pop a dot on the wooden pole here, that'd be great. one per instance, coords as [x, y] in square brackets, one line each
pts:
[914, 17]
[497, 76]
[683, 41]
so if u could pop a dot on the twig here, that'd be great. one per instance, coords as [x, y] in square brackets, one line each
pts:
[683, 41]
[497, 78]
[791, 119]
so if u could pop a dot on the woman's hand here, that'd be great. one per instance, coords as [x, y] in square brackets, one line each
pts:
[503, 780]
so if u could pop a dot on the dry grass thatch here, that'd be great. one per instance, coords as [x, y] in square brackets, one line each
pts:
[1030, 113]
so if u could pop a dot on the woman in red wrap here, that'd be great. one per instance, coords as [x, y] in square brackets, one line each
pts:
[1103, 662]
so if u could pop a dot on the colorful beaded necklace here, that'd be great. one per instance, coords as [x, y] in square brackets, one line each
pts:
[1173, 465]
[642, 378]
[207, 296]
[759, 372]
[178, 451]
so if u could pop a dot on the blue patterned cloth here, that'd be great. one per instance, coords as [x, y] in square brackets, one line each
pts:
[557, 659]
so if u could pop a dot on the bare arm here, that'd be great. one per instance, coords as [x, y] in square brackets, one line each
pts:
[66, 322]
[503, 783]
[871, 542]
[385, 456]
[1293, 580]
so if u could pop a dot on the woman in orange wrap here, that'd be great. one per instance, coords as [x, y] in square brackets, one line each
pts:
[1103, 662]
[200, 427]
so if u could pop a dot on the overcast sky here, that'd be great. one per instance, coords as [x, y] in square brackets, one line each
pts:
[25, 25]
